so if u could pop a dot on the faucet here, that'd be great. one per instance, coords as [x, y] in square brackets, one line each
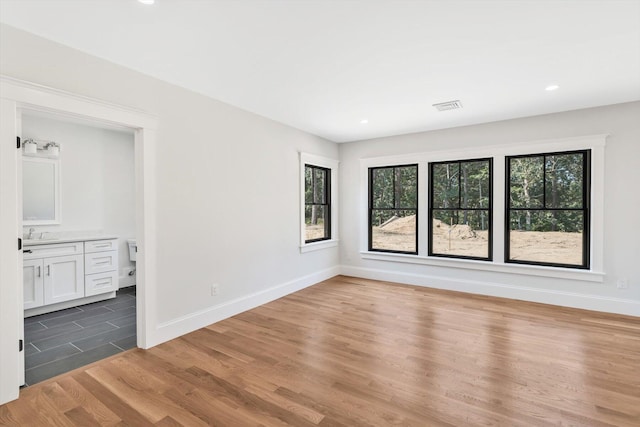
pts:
[31, 230]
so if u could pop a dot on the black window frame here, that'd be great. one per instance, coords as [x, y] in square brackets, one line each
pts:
[489, 209]
[586, 208]
[371, 208]
[327, 199]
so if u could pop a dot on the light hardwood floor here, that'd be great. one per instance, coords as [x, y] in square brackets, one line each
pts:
[353, 352]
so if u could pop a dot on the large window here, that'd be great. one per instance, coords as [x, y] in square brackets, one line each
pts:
[547, 215]
[460, 209]
[393, 208]
[317, 203]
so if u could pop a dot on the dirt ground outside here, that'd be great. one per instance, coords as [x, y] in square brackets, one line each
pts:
[314, 231]
[539, 246]
[547, 246]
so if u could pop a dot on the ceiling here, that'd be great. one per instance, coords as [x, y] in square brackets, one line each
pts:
[324, 66]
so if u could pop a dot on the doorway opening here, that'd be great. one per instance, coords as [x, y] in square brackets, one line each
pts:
[16, 97]
[79, 242]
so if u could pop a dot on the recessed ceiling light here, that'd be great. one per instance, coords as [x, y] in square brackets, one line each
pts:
[147, 1]
[551, 88]
[364, 121]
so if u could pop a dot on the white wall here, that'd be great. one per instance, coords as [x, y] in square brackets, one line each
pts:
[96, 181]
[621, 210]
[227, 185]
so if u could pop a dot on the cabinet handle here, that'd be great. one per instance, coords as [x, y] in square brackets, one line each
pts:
[105, 282]
[105, 245]
[39, 271]
[26, 251]
[103, 262]
[48, 270]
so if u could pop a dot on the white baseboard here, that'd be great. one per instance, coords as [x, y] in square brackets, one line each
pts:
[545, 296]
[193, 321]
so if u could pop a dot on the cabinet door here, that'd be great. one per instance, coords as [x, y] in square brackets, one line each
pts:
[33, 283]
[63, 278]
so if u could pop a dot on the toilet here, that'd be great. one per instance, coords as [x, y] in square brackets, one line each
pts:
[133, 249]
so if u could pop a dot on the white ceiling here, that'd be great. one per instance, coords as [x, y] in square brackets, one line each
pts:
[324, 65]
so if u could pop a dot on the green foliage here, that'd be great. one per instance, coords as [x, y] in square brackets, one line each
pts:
[556, 220]
[308, 184]
[314, 185]
[394, 192]
[542, 191]
[461, 185]
[446, 191]
[316, 196]
[526, 182]
[550, 182]
[314, 214]
[394, 187]
[477, 220]
[564, 181]
[380, 216]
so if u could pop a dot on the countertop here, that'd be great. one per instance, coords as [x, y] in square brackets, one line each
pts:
[53, 240]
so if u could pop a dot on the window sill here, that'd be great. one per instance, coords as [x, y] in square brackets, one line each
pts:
[531, 270]
[316, 246]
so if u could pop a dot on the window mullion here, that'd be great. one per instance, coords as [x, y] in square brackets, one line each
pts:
[459, 187]
[395, 188]
[544, 181]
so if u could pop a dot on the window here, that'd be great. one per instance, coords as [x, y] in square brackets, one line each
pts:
[393, 208]
[318, 177]
[547, 215]
[317, 203]
[460, 209]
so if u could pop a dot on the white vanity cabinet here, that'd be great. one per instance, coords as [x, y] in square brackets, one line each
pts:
[53, 273]
[57, 272]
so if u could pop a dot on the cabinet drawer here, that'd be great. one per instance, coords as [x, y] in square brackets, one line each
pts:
[100, 246]
[100, 262]
[55, 249]
[100, 283]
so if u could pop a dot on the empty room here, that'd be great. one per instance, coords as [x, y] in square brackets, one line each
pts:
[319, 213]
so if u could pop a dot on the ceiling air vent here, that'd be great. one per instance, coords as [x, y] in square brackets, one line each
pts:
[449, 105]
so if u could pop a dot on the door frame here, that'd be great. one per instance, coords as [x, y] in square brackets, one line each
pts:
[18, 95]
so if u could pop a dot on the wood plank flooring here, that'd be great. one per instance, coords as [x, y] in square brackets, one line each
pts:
[354, 352]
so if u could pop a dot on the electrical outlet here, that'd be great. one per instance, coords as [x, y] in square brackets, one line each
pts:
[214, 290]
[623, 283]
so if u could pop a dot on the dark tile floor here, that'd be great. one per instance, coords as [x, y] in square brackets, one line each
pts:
[61, 341]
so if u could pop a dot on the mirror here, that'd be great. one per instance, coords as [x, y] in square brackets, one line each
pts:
[40, 191]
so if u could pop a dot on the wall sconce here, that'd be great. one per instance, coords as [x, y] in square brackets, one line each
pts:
[30, 147]
[34, 147]
[53, 149]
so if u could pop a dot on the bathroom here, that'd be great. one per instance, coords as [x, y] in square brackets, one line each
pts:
[79, 250]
